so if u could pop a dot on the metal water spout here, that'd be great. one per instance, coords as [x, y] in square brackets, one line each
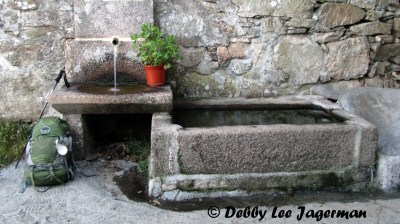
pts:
[115, 42]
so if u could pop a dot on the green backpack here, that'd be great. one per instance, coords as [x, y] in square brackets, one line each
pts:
[48, 154]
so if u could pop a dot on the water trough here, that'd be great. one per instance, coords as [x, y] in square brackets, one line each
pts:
[237, 158]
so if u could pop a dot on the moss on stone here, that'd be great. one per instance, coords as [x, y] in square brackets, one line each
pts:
[202, 86]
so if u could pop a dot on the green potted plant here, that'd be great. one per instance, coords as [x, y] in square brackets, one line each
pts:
[156, 51]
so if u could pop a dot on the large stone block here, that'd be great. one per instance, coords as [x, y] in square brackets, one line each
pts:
[108, 18]
[377, 69]
[245, 150]
[297, 22]
[164, 146]
[300, 58]
[365, 4]
[384, 4]
[343, 55]
[396, 27]
[259, 157]
[371, 28]
[93, 61]
[328, 37]
[82, 144]
[273, 25]
[334, 90]
[339, 14]
[196, 23]
[380, 107]
[187, 28]
[98, 99]
[240, 67]
[28, 68]
[196, 85]
[252, 8]
[384, 52]
[191, 56]
[389, 172]
[366, 140]
[373, 15]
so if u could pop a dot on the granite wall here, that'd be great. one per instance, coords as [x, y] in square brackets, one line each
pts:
[254, 48]
[32, 36]
[231, 48]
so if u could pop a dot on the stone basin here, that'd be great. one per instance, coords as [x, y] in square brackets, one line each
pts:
[95, 98]
[213, 148]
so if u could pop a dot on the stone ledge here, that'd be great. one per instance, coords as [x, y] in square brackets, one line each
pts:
[186, 187]
[73, 101]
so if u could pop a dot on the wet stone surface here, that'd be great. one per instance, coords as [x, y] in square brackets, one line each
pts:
[105, 89]
[213, 118]
[134, 185]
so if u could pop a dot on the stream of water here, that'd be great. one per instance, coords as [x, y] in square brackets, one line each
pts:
[115, 89]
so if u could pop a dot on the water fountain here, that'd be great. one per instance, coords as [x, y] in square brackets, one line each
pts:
[105, 75]
[115, 42]
[194, 161]
[109, 80]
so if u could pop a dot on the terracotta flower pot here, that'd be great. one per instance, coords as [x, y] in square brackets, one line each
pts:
[155, 75]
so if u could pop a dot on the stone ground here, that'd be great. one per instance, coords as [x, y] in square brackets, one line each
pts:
[99, 200]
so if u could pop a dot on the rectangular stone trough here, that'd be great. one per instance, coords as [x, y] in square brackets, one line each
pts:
[189, 162]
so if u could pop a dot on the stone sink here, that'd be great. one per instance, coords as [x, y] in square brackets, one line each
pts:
[90, 98]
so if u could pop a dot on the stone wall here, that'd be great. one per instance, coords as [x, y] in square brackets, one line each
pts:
[32, 35]
[231, 48]
[255, 48]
